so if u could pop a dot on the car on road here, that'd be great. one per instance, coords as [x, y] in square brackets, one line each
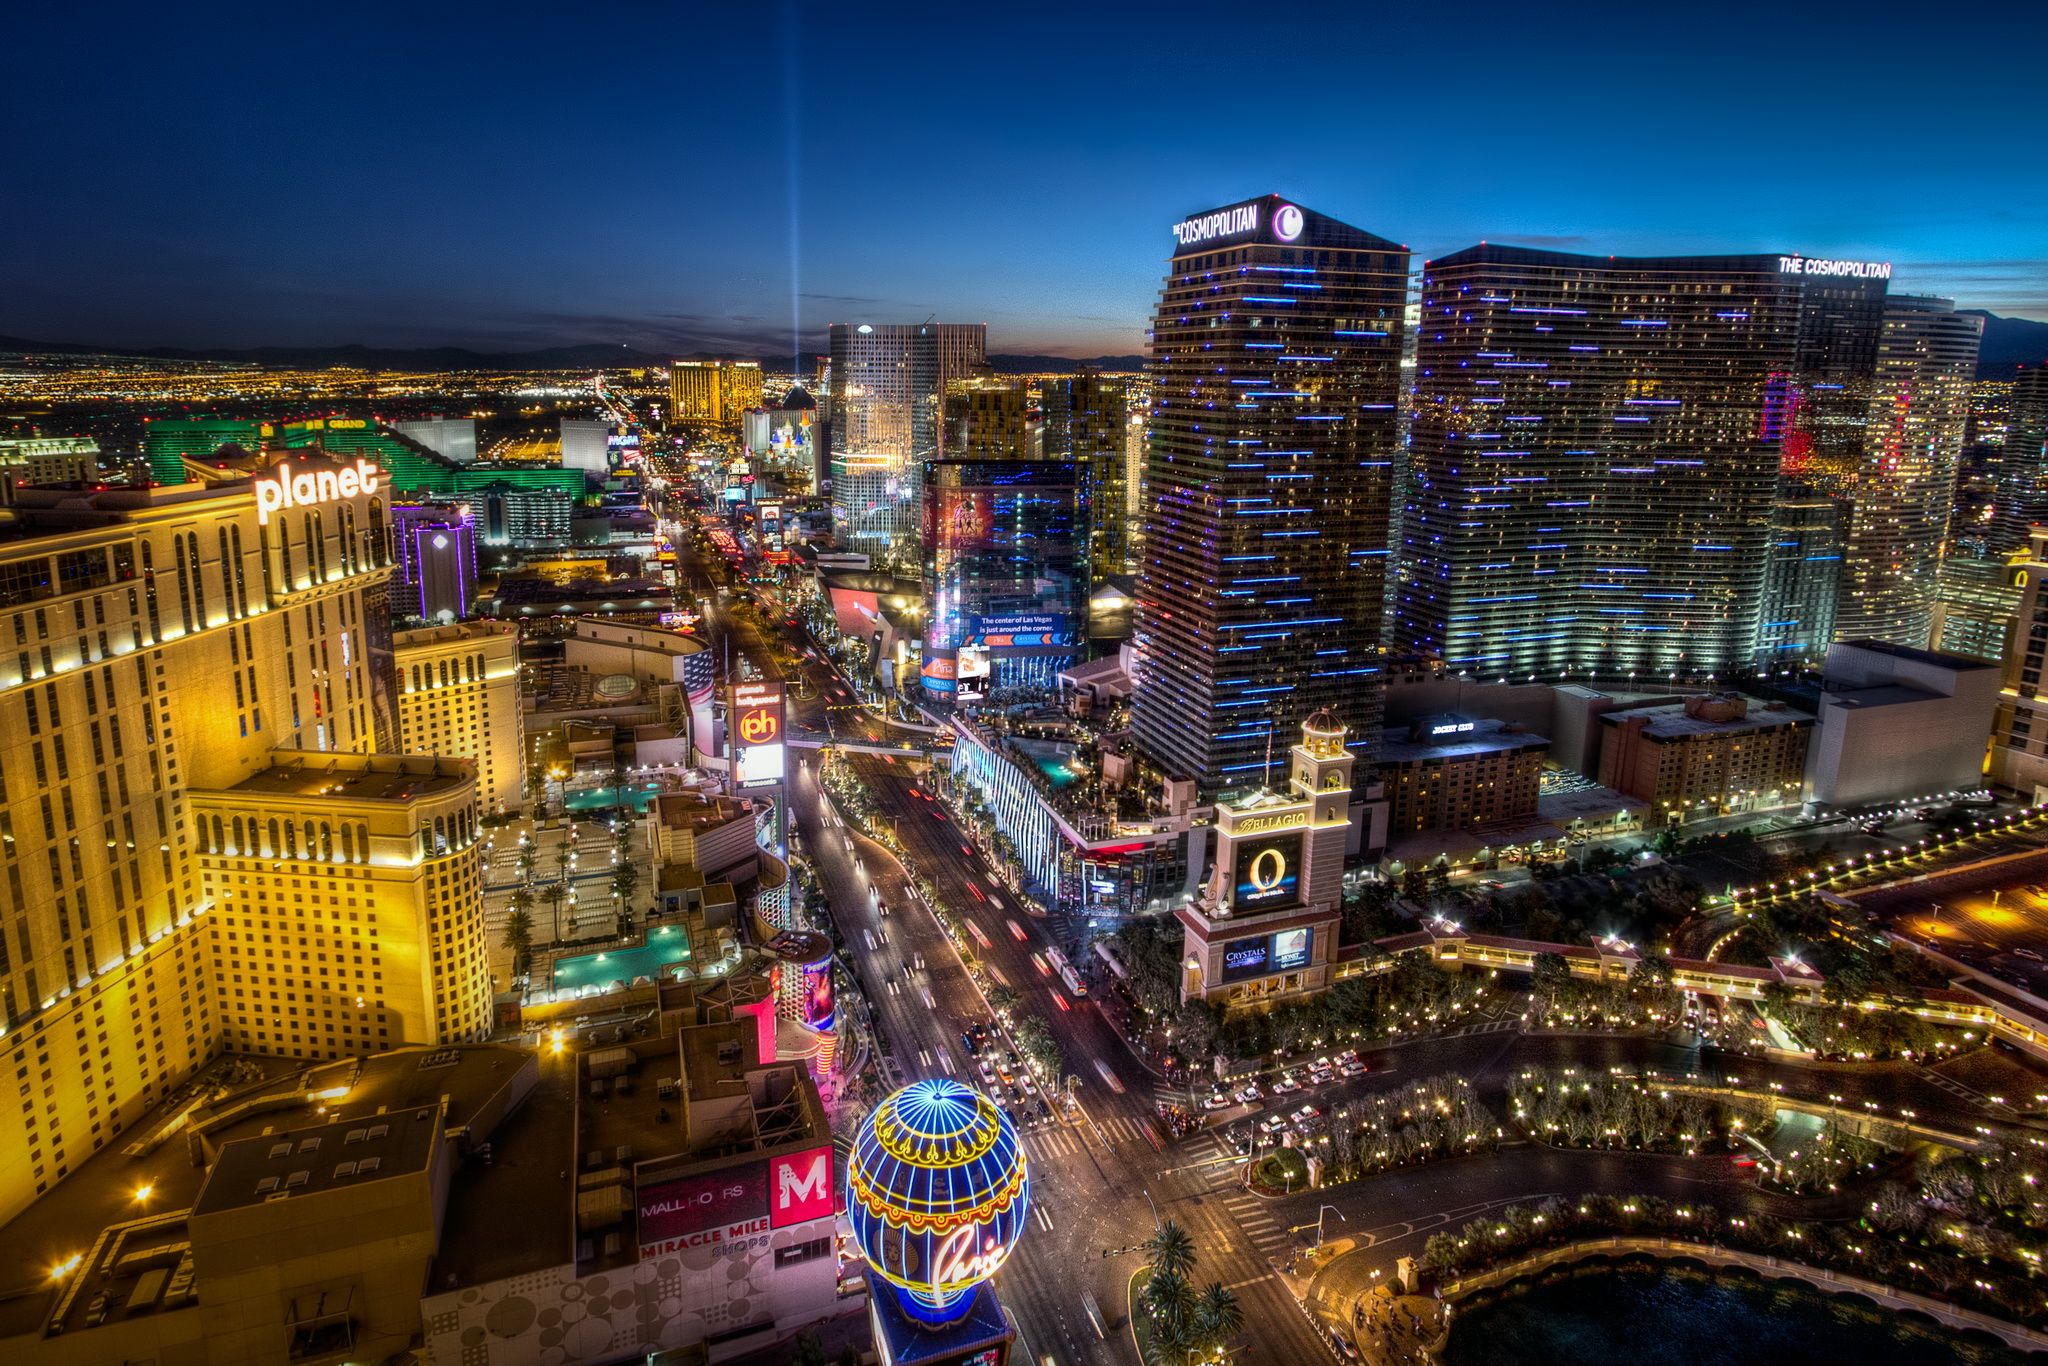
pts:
[1351, 1067]
[1241, 1142]
[1250, 1094]
[1273, 1123]
[2027, 954]
[1216, 1100]
[1307, 1114]
[1109, 1078]
[1286, 1084]
[1044, 968]
[988, 1074]
[967, 849]
[1017, 931]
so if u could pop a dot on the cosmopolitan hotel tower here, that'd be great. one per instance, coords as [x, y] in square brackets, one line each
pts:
[200, 849]
[1276, 357]
[1598, 448]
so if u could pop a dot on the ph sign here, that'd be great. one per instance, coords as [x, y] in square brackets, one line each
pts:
[285, 487]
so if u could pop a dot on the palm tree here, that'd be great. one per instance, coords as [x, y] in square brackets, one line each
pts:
[1171, 1301]
[1170, 1251]
[519, 939]
[1217, 1316]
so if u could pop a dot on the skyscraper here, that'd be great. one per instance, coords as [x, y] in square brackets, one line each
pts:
[1902, 498]
[1087, 421]
[188, 778]
[986, 419]
[1597, 449]
[1276, 356]
[1983, 571]
[887, 387]
[712, 393]
[1005, 574]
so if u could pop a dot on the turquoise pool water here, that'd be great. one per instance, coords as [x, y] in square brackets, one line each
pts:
[667, 944]
[638, 795]
[1051, 760]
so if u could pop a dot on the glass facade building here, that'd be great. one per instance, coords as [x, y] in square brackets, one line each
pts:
[887, 391]
[1276, 384]
[1005, 574]
[1906, 492]
[1087, 421]
[1599, 443]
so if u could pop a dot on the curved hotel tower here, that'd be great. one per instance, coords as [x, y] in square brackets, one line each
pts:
[1276, 359]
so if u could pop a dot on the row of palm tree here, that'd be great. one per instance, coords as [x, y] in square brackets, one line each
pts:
[1188, 1325]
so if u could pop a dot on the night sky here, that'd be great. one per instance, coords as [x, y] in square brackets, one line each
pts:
[682, 176]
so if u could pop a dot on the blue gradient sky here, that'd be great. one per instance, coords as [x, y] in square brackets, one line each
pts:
[682, 176]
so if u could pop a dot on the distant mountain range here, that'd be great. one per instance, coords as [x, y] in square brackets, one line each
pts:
[2009, 342]
[588, 356]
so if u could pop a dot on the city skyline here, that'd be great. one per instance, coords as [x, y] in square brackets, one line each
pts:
[419, 180]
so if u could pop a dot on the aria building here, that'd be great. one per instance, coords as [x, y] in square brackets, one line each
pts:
[1276, 385]
[1985, 571]
[887, 393]
[201, 849]
[1901, 501]
[1599, 445]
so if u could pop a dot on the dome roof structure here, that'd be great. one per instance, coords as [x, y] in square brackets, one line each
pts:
[936, 1189]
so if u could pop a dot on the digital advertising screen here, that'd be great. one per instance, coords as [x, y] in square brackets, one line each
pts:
[819, 1010]
[1291, 949]
[696, 1211]
[1243, 958]
[757, 734]
[1268, 873]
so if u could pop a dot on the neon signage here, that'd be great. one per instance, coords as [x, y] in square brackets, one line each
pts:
[1860, 270]
[937, 1189]
[285, 487]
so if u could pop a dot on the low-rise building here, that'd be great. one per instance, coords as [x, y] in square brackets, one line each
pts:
[1264, 930]
[1897, 722]
[1710, 755]
[1453, 772]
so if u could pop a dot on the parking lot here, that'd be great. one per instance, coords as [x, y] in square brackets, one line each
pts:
[1235, 1102]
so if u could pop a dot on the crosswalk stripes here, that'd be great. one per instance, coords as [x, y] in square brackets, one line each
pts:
[1260, 1228]
[1957, 1089]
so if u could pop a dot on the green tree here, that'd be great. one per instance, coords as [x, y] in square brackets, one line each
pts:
[1217, 1317]
[519, 938]
[1550, 975]
[1170, 1249]
[1001, 999]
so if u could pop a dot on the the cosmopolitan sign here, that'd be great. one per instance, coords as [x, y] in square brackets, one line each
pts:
[1859, 270]
[1239, 220]
[285, 487]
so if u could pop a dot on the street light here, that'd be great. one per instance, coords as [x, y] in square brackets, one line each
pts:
[1319, 1223]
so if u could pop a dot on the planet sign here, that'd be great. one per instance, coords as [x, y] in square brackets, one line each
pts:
[937, 1188]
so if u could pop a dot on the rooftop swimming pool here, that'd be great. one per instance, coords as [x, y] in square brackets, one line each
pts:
[638, 795]
[587, 973]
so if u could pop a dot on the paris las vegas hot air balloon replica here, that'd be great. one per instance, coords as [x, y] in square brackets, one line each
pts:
[937, 1190]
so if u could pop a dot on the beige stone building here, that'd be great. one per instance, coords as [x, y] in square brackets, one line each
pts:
[1707, 756]
[156, 643]
[354, 922]
[458, 694]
